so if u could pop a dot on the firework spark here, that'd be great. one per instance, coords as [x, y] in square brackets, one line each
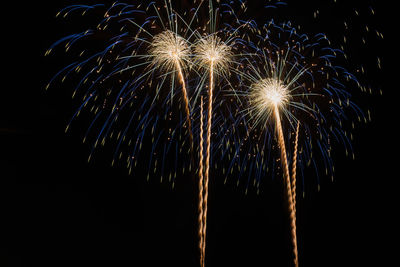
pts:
[171, 52]
[268, 97]
[214, 55]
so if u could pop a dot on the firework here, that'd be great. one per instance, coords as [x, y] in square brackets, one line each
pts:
[171, 52]
[269, 97]
[291, 86]
[213, 59]
[281, 84]
[124, 87]
[214, 55]
[145, 60]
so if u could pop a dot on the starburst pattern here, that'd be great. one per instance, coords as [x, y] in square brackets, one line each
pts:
[169, 50]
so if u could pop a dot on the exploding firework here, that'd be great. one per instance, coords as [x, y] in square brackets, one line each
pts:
[270, 97]
[144, 61]
[214, 56]
[284, 100]
[295, 86]
[128, 88]
[171, 52]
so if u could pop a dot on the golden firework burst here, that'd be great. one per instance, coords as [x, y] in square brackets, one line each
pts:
[212, 51]
[169, 51]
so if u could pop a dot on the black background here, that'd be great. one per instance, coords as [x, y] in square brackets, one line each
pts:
[60, 210]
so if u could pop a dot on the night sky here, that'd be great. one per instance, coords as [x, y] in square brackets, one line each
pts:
[60, 210]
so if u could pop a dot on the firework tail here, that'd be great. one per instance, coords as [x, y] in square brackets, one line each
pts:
[201, 181]
[294, 167]
[187, 109]
[288, 189]
[207, 165]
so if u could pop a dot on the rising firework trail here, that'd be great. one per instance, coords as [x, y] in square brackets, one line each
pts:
[294, 168]
[215, 56]
[268, 97]
[201, 185]
[293, 81]
[171, 53]
[288, 185]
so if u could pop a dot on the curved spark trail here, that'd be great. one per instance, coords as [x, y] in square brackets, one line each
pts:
[169, 52]
[294, 166]
[208, 148]
[213, 56]
[201, 182]
[288, 186]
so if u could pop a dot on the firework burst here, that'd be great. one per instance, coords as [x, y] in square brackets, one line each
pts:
[128, 88]
[215, 56]
[145, 60]
[294, 90]
[272, 91]
[279, 87]
[169, 51]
